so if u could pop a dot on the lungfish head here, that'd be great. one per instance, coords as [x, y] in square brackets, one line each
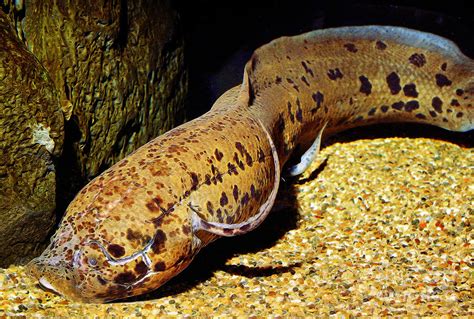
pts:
[117, 245]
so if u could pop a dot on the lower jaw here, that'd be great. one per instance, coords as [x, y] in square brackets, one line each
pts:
[46, 285]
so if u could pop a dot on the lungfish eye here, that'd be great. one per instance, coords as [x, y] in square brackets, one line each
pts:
[92, 261]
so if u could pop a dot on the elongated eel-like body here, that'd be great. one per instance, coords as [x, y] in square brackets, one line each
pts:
[143, 220]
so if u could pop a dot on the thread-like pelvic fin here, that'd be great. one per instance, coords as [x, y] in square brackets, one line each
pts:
[308, 157]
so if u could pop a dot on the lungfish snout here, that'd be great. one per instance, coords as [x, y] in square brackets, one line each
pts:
[53, 278]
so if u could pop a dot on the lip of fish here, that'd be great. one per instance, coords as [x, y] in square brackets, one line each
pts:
[46, 285]
[50, 286]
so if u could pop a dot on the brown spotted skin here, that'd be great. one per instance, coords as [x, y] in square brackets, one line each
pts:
[131, 229]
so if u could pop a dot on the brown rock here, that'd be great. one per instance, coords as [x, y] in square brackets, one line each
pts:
[31, 136]
[119, 69]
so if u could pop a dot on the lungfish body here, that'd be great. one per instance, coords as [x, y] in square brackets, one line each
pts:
[143, 220]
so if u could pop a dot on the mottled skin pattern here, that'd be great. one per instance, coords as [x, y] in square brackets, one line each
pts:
[143, 220]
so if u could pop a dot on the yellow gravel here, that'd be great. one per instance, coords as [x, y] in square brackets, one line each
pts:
[378, 227]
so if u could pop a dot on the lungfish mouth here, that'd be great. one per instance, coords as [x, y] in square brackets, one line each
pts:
[35, 270]
[46, 285]
[47, 277]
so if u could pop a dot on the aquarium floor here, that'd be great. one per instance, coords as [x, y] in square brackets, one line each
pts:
[378, 227]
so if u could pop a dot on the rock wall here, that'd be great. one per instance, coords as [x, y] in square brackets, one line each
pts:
[105, 76]
[31, 136]
[118, 66]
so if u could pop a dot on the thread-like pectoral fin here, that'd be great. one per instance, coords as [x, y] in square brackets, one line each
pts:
[229, 230]
[308, 157]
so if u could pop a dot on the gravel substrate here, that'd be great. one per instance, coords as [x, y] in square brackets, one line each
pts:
[382, 227]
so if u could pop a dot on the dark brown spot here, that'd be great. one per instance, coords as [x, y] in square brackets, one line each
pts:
[442, 80]
[235, 192]
[393, 82]
[207, 179]
[410, 90]
[433, 113]
[159, 266]
[398, 105]
[248, 159]
[437, 104]
[335, 74]
[372, 111]
[224, 200]
[252, 191]
[194, 181]
[141, 268]
[303, 78]
[245, 227]
[186, 229]
[380, 45]
[232, 169]
[218, 154]
[101, 280]
[318, 97]
[115, 250]
[210, 208]
[420, 116]
[228, 231]
[122, 163]
[459, 92]
[293, 84]
[411, 105]
[444, 66]
[239, 163]
[158, 241]
[290, 113]
[455, 102]
[219, 214]
[245, 199]
[299, 114]
[240, 148]
[125, 278]
[350, 47]
[278, 80]
[133, 235]
[459, 114]
[384, 108]
[280, 124]
[158, 221]
[417, 60]
[307, 69]
[365, 85]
